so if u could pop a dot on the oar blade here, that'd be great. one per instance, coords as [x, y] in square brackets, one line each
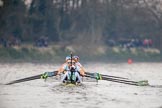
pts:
[143, 83]
[40, 76]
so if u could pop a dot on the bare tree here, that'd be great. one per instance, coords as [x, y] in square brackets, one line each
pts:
[154, 7]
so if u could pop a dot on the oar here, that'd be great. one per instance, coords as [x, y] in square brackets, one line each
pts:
[137, 83]
[112, 80]
[98, 76]
[40, 76]
[106, 75]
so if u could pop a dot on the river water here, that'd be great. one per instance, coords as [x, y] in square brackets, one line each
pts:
[104, 94]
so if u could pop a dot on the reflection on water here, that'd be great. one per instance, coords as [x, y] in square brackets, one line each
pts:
[104, 94]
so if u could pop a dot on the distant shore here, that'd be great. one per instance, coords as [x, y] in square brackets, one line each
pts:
[57, 53]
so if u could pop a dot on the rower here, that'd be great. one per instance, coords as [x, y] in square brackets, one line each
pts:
[68, 67]
[76, 58]
[66, 59]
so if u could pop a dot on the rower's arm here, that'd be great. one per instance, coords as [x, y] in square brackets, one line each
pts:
[82, 72]
[82, 69]
[60, 70]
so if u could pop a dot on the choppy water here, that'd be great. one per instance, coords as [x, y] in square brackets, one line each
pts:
[50, 94]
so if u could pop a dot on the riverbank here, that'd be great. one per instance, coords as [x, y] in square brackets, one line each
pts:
[57, 53]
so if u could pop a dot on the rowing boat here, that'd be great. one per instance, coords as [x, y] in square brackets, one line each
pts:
[96, 76]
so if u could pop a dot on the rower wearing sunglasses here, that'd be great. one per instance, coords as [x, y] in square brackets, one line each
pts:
[64, 64]
[70, 67]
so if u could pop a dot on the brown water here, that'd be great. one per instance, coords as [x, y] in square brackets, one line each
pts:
[50, 94]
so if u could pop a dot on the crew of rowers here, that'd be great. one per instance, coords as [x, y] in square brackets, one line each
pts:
[71, 64]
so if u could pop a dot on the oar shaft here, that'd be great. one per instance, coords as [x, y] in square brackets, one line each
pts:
[118, 80]
[129, 83]
[25, 79]
[115, 80]
[105, 78]
[113, 76]
[44, 76]
[105, 75]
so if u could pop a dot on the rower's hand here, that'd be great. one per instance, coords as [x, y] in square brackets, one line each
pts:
[58, 74]
[83, 75]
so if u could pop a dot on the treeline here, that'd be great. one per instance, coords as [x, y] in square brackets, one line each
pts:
[81, 21]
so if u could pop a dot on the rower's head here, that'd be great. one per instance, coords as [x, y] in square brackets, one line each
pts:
[67, 58]
[71, 62]
[76, 58]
